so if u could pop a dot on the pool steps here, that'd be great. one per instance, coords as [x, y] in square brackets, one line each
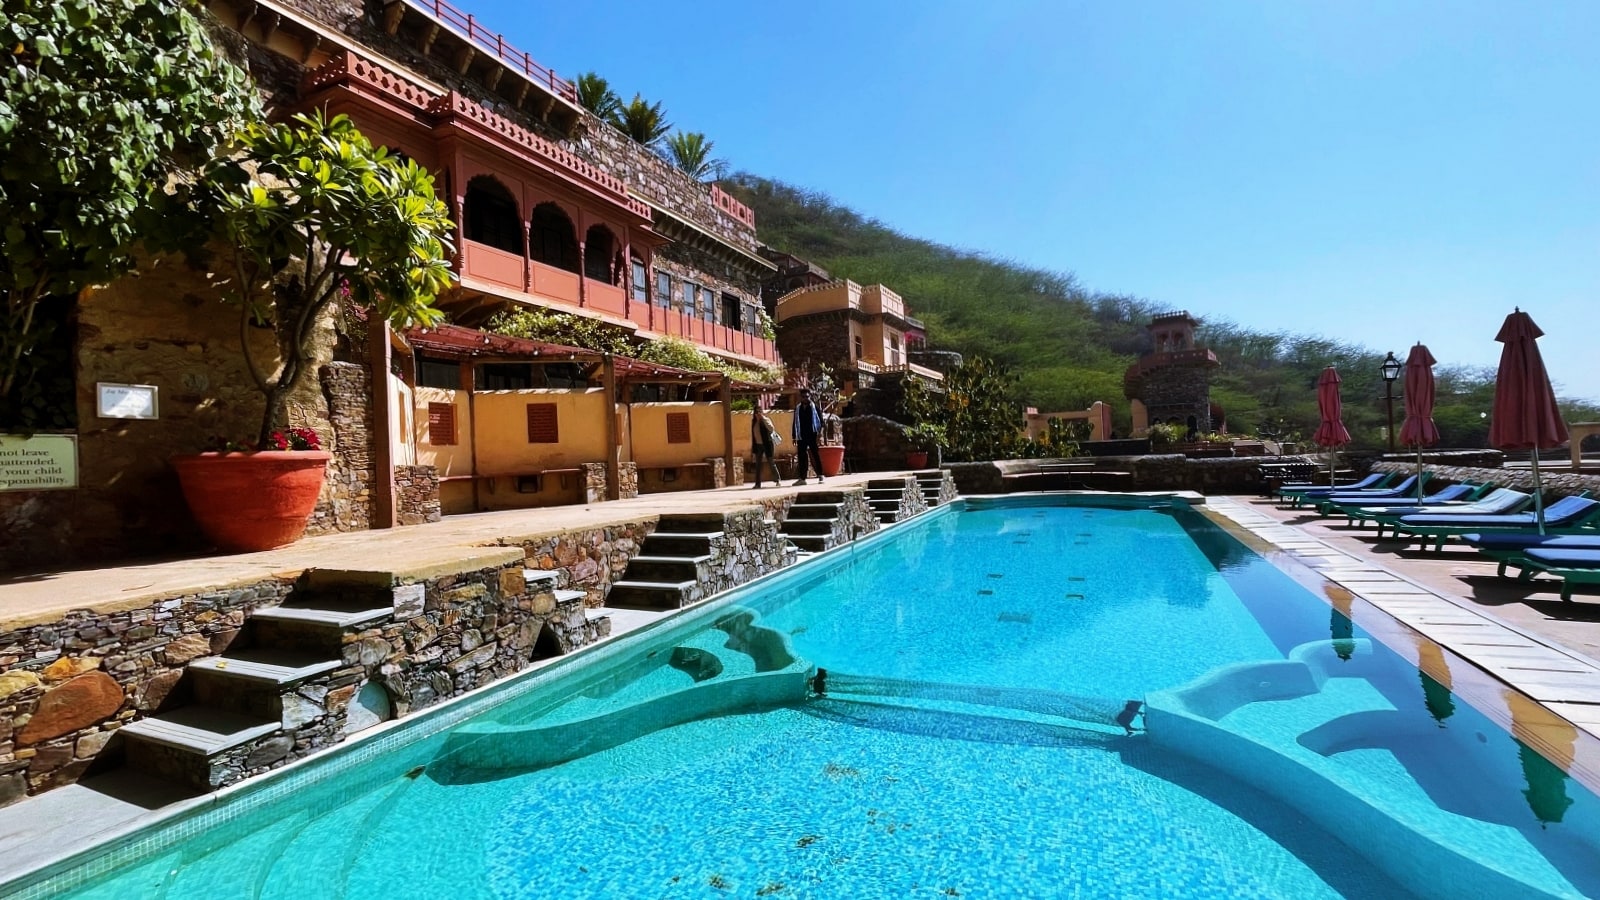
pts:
[1426, 849]
[588, 721]
[227, 703]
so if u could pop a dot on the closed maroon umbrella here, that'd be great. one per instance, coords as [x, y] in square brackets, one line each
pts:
[1418, 430]
[1525, 416]
[1331, 432]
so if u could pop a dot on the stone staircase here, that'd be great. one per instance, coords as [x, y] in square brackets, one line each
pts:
[813, 525]
[667, 572]
[289, 681]
[894, 499]
[932, 482]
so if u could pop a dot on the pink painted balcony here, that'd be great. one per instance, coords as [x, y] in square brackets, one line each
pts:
[555, 284]
[485, 263]
[604, 297]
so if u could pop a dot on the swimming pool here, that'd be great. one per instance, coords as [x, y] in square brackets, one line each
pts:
[967, 745]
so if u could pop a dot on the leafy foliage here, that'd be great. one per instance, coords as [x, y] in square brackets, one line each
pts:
[595, 95]
[1069, 347]
[562, 328]
[691, 152]
[101, 102]
[671, 351]
[978, 419]
[317, 217]
[644, 122]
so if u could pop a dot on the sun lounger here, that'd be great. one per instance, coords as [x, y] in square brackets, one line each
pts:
[1571, 566]
[1453, 493]
[1295, 492]
[1408, 486]
[1497, 502]
[1564, 515]
[1509, 548]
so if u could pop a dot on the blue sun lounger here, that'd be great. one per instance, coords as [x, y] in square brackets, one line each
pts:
[1563, 516]
[1448, 495]
[1408, 486]
[1295, 493]
[1509, 548]
[1572, 566]
[1496, 503]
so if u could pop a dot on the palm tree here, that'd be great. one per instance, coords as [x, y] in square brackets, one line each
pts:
[642, 121]
[691, 152]
[596, 95]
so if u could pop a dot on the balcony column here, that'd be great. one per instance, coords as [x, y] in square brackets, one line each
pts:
[608, 382]
[527, 257]
[583, 277]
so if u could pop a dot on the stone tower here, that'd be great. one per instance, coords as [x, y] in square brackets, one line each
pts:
[1172, 382]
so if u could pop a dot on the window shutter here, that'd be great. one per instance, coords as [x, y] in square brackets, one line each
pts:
[441, 424]
[542, 424]
[678, 428]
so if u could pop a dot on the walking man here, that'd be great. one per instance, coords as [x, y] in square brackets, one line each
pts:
[763, 441]
[807, 431]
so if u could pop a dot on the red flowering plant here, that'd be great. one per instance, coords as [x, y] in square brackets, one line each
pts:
[292, 439]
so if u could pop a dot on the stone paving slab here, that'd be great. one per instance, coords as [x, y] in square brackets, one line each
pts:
[1529, 653]
[457, 543]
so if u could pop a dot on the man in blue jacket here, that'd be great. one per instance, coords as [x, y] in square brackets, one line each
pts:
[807, 431]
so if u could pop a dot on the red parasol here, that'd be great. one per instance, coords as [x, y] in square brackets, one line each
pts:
[1525, 416]
[1419, 430]
[1331, 432]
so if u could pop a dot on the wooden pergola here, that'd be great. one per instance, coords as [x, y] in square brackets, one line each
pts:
[614, 373]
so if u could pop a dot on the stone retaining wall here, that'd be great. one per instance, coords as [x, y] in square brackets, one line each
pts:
[591, 559]
[750, 547]
[346, 500]
[1557, 482]
[66, 685]
[416, 490]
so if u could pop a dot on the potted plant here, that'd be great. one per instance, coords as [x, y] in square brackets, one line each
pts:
[315, 217]
[927, 437]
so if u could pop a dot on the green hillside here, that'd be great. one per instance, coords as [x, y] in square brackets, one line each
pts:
[1069, 347]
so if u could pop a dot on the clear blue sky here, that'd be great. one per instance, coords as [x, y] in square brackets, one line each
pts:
[1376, 172]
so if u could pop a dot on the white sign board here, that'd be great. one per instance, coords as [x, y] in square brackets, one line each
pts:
[126, 401]
[40, 462]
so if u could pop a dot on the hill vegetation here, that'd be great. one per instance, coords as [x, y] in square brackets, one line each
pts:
[1068, 347]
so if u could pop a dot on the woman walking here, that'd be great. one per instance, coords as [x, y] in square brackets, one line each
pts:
[763, 442]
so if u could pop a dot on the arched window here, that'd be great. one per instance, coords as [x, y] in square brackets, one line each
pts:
[551, 239]
[491, 215]
[600, 254]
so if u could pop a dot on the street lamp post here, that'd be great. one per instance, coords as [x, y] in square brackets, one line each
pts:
[1391, 371]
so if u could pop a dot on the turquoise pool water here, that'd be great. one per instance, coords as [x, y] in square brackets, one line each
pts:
[1287, 754]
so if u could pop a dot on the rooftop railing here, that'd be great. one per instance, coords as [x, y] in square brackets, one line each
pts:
[466, 25]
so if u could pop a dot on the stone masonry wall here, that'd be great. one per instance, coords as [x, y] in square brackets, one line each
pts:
[346, 500]
[1178, 392]
[824, 339]
[750, 547]
[67, 685]
[416, 494]
[591, 559]
[912, 502]
[1557, 481]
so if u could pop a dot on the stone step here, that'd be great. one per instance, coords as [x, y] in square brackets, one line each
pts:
[313, 630]
[809, 543]
[881, 493]
[885, 484]
[264, 668]
[888, 517]
[884, 503]
[658, 544]
[818, 497]
[701, 523]
[665, 568]
[809, 526]
[937, 474]
[567, 597]
[202, 730]
[649, 594]
[813, 511]
[537, 579]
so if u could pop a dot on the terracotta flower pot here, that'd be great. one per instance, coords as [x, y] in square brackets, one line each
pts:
[832, 460]
[252, 501]
[916, 459]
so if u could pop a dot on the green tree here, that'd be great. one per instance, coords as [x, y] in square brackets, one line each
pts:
[691, 152]
[320, 217]
[562, 328]
[642, 121]
[102, 103]
[595, 95]
[978, 418]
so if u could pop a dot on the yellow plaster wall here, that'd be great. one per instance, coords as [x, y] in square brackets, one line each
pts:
[501, 430]
[451, 460]
[842, 295]
[782, 420]
[649, 433]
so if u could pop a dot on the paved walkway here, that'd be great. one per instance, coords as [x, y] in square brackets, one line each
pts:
[1521, 633]
[448, 545]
